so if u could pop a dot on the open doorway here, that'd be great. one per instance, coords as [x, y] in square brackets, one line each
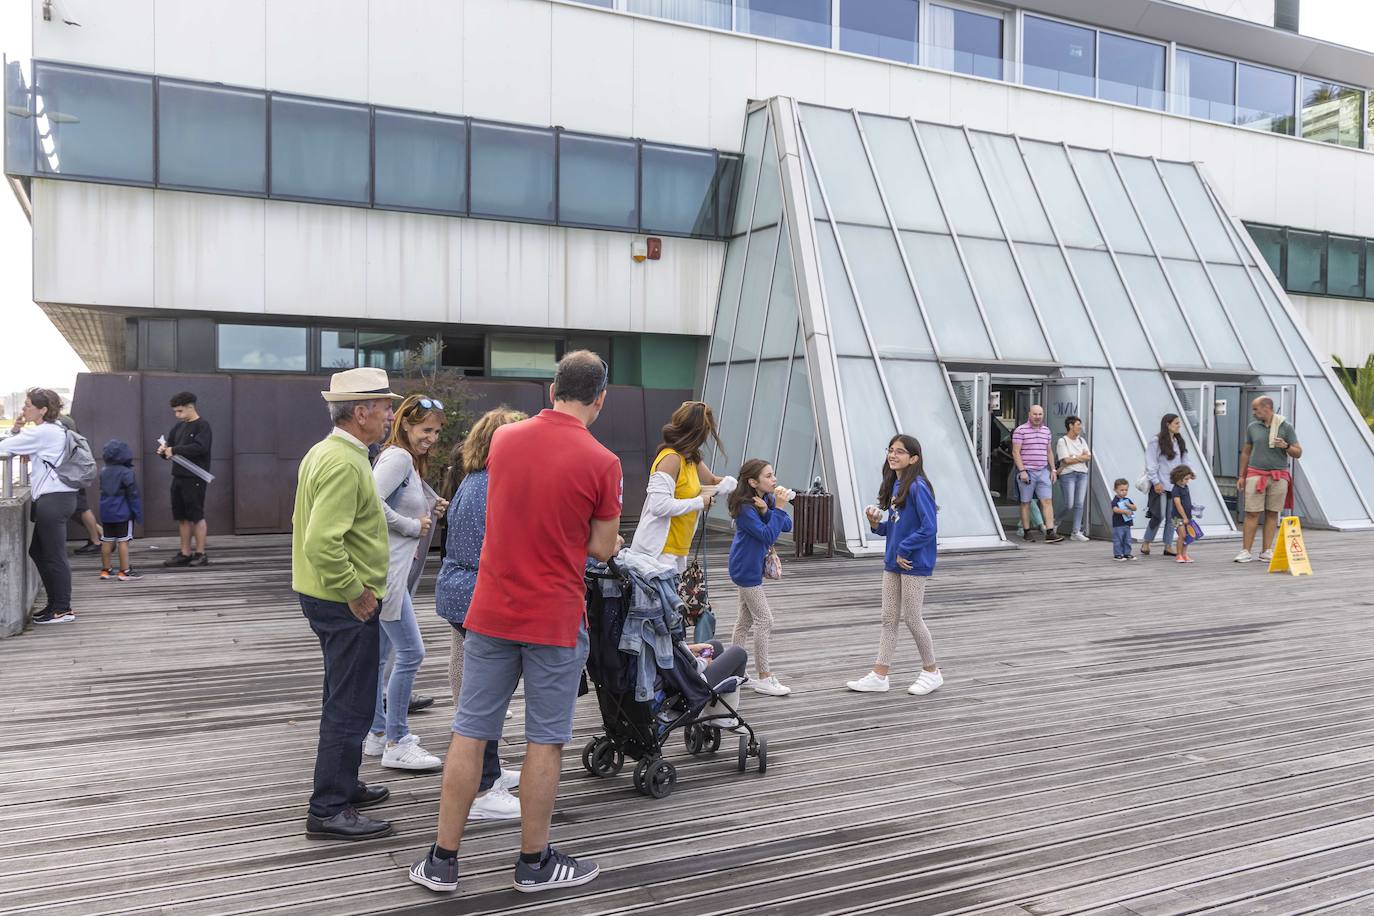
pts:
[1218, 413]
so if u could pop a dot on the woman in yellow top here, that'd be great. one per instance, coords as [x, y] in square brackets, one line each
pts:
[675, 498]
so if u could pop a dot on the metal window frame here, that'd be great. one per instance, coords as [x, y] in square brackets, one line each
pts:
[1097, 50]
[1298, 125]
[1007, 17]
[306, 370]
[1297, 87]
[360, 108]
[1321, 264]
[638, 178]
[161, 184]
[38, 64]
[712, 192]
[387, 110]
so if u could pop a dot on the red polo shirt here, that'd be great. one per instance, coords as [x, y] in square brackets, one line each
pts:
[548, 479]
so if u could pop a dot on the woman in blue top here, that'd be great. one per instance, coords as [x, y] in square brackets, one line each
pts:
[467, 528]
[758, 506]
[905, 515]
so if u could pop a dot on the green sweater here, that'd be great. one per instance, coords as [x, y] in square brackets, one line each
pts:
[338, 538]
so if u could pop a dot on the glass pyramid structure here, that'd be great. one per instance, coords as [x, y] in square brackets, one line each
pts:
[890, 275]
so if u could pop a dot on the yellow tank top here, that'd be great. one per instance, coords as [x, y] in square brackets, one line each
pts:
[682, 527]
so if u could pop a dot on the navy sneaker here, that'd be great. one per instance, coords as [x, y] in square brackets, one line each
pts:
[557, 870]
[435, 874]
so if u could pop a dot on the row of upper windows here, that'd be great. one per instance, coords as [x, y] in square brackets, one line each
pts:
[1054, 54]
[1317, 263]
[132, 129]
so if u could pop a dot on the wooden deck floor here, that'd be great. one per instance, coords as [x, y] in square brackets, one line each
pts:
[1111, 738]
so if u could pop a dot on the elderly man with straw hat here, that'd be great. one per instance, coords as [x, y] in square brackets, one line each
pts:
[339, 556]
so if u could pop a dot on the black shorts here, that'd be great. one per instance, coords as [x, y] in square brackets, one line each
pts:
[188, 499]
[114, 532]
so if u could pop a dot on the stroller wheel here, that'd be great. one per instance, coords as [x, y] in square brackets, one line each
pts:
[743, 753]
[763, 756]
[661, 779]
[713, 739]
[607, 759]
[695, 737]
[588, 753]
[643, 774]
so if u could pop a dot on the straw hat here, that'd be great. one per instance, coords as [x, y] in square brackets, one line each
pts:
[359, 385]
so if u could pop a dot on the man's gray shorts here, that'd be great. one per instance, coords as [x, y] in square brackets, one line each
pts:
[1038, 487]
[493, 667]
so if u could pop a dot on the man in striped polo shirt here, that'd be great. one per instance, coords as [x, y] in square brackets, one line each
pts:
[1035, 476]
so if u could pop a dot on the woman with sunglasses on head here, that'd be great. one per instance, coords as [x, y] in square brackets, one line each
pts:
[410, 506]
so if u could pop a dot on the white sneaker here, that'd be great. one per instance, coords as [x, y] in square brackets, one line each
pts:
[770, 686]
[927, 682]
[1267, 555]
[408, 755]
[1078, 536]
[495, 804]
[374, 744]
[1244, 557]
[872, 682]
[509, 779]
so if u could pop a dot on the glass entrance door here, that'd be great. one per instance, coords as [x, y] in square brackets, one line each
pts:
[1063, 398]
[971, 391]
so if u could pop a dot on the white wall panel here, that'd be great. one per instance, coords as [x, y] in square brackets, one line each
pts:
[317, 47]
[672, 85]
[213, 41]
[1035, 115]
[680, 290]
[210, 252]
[600, 285]
[1297, 177]
[1134, 134]
[92, 244]
[414, 266]
[733, 75]
[789, 70]
[414, 54]
[980, 102]
[593, 65]
[854, 83]
[1081, 122]
[505, 275]
[112, 33]
[506, 60]
[315, 260]
[1344, 327]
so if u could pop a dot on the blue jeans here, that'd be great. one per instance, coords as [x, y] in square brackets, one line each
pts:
[403, 638]
[349, 646]
[1164, 515]
[1075, 487]
[1121, 540]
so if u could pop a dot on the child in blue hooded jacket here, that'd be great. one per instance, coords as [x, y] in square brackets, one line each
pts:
[758, 506]
[120, 508]
[905, 515]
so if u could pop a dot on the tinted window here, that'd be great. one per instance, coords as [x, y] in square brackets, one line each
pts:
[397, 352]
[159, 344]
[1331, 113]
[727, 190]
[677, 194]
[93, 125]
[338, 350]
[1304, 268]
[512, 172]
[261, 348]
[1269, 241]
[1059, 56]
[879, 28]
[964, 42]
[1207, 86]
[18, 122]
[713, 13]
[1265, 99]
[524, 357]
[320, 150]
[211, 138]
[803, 21]
[596, 182]
[421, 162]
[1130, 71]
[1343, 273]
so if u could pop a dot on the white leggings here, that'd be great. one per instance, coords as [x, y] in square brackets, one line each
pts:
[903, 597]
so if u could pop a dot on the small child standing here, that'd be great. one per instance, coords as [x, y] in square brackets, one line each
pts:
[120, 508]
[1180, 477]
[1123, 514]
[757, 505]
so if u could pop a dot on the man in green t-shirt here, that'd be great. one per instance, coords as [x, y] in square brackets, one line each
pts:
[1265, 480]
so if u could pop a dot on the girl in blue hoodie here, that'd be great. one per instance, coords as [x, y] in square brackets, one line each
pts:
[905, 515]
[758, 506]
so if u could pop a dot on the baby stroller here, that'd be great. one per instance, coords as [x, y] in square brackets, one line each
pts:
[683, 698]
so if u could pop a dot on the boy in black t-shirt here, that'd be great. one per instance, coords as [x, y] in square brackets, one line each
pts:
[1183, 508]
[1123, 514]
[189, 439]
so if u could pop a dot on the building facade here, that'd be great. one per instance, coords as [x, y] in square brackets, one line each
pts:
[842, 209]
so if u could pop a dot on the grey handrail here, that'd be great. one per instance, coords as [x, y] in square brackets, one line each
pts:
[7, 470]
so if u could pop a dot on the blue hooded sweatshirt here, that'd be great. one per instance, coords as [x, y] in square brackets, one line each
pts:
[755, 533]
[910, 533]
[119, 499]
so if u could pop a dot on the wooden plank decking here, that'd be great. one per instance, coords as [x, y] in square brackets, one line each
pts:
[1112, 738]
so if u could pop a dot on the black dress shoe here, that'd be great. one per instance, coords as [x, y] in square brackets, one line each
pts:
[348, 824]
[419, 701]
[366, 796]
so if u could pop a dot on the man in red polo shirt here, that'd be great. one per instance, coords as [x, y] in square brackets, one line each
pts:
[553, 499]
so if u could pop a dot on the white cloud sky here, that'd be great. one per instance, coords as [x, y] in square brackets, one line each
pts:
[34, 353]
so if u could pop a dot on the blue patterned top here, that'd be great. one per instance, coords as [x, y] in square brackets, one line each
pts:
[467, 528]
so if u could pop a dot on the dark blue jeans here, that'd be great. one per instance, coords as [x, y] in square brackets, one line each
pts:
[350, 696]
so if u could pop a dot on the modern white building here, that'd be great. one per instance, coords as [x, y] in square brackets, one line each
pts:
[837, 218]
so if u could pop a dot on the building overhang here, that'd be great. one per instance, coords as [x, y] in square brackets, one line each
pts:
[1207, 31]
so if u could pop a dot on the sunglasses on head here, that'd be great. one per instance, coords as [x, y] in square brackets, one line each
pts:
[426, 404]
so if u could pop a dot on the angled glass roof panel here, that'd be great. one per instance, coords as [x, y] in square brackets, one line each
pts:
[1349, 440]
[1065, 316]
[758, 275]
[770, 392]
[1307, 365]
[1012, 191]
[1166, 231]
[1204, 310]
[870, 422]
[1196, 207]
[902, 168]
[781, 327]
[957, 180]
[749, 173]
[768, 207]
[839, 156]
[1167, 328]
[1112, 309]
[1063, 198]
[734, 412]
[947, 296]
[731, 278]
[1251, 319]
[849, 339]
[885, 292]
[1009, 308]
[1319, 468]
[798, 421]
[1109, 201]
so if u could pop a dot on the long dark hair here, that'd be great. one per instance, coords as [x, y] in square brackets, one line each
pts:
[1166, 438]
[902, 483]
[744, 493]
[688, 429]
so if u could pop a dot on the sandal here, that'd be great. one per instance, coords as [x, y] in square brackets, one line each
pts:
[1145, 548]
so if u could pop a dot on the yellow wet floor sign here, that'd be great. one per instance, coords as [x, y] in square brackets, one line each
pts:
[1290, 553]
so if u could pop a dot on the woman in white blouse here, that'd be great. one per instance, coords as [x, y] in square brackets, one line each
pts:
[1073, 456]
